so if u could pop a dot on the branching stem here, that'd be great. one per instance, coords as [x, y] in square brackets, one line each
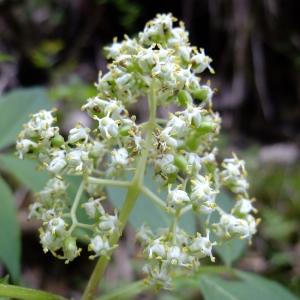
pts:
[157, 200]
[134, 189]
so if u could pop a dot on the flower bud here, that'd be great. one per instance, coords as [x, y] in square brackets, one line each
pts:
[184, 98]
[181, 163]
[99, 245]
[70, 249]
[57, 141]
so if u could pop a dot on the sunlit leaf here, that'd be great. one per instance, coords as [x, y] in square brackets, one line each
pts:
[15, 108]
[246, 287]
[9, 231]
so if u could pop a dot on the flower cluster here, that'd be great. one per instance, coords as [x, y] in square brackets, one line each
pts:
[160, 64]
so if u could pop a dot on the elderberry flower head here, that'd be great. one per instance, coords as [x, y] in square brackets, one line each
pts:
[158, 64]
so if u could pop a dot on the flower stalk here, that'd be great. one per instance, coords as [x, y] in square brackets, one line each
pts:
[160, 64]
[133, 192]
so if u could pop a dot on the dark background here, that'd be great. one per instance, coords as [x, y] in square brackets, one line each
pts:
[255, 46]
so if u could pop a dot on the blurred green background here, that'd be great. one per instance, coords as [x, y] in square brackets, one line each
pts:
[50, 55]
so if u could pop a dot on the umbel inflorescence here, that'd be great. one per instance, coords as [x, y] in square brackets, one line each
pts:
[158, 64]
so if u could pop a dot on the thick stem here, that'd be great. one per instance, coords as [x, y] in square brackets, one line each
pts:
[133, 192]
[17, 292]
[90, 291]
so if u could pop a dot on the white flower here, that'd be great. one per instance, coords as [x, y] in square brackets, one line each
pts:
[243, 206]
[57, 226]
[77, 159]
[178, 126]
[193, 115]
[99, 245]
[114, 108]
[93, 105]
[55, 187]
[185, 52]
[201, 246]
[194, 162]
[166, 164]
[35, 210]
[108, 223]
[156, 28]
[165, 136]
[138, 142]
[234, 175]
[24, 146]
[58, 163]
[50, 241]
[177, 197]
[108, 127]
[114, 50]
[231, 226]
[178, 37]
[41, 121]
[159, 275]
[240, 186]
[78, 133]
[93, 207]
[156, 249]
[209, 157]
[203, 195]
[146, 58]
[201, 62]
[119, 157]
[48, 214]
[175, 256]
[40, 125]
[124, 79]
[252, 225]
[186, 79]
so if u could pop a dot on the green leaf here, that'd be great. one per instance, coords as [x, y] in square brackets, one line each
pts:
[230, 251]
[246, 287]
[9, 232]
[15, 108]
[125, 291]
[25, 171]
[145, 211]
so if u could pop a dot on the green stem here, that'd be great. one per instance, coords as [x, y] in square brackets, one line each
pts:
[157, 200]
[17, 292]
[133, 192]
[107, 182]
[174, 227]
[75, 206]
[185, 210]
